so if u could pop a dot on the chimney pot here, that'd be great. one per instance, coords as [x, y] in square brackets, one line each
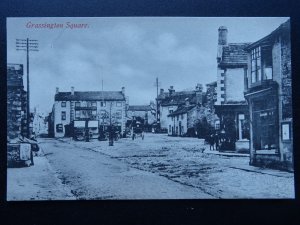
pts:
[72, 90]
[161, 91]
[123, 90]
[57, 90]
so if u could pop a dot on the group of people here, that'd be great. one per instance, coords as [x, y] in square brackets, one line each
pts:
[214, 141]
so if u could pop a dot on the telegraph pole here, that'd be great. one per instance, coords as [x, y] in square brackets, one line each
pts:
[157, 84]
[27, 45]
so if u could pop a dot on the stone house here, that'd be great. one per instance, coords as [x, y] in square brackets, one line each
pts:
[107, 107]
[186, 117]
[145, 112]
[268, 91]
[231, 106]
[168, 102]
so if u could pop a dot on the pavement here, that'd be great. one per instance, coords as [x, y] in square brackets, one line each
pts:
[38, 182]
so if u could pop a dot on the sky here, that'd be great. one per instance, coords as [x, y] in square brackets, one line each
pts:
[125, 51]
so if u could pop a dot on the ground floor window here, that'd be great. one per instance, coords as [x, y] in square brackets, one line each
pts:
[265, 127]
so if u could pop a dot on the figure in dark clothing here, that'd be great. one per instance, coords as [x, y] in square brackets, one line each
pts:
[216, 140]
[211, 142]
[87, 135]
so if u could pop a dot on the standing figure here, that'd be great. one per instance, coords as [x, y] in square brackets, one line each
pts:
[211, 142]
[216, 140]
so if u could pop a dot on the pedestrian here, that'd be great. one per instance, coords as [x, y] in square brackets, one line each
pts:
[211, 142]
[216, 140]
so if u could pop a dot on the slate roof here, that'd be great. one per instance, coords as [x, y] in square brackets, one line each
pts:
[139, 108]
[90, 96]
[234, 54]
[182, 110]
[178, 98]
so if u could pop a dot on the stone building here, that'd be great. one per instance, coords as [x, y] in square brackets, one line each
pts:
[169, 101]
[269, 94]
[145, 112]
[16, 102]
[107, 107]
[231, 106]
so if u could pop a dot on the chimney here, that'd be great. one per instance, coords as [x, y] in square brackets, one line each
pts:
[222, 35]
[57, 90]
[123, 91]
[199, 89]
[171, 90]
[161, 91]
[187, 102]
[222, 41]
[72, 90]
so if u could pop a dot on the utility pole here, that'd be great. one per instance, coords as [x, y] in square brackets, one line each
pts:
[157, 84]
[27, 45]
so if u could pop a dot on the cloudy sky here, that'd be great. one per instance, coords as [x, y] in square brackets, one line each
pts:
[129, 52]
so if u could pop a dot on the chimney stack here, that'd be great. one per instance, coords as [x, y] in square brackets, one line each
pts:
[161, 91]
[123, 91]
[57, 90]
[171, 90]
[72, 90]
[199, 89]
[222, 40]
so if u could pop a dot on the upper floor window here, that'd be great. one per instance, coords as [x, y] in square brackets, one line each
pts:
[255, 65]
[77, 104]
[119, 104]
[63, 115]
[182, 116]
[77, 114]
[102, 104]
[63, 104]
[94, 104]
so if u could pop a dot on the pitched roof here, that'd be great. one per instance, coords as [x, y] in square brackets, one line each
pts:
[90, 96]
[178, 98]
[234, 54]
[182, 110]
[139, 108]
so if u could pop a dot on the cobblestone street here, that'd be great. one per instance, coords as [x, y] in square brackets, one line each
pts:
[158, 167]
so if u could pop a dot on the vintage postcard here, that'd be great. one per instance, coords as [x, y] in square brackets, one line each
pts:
[149, 108]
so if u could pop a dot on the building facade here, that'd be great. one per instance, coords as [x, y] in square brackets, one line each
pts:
[107, 107]
[231, 106]
[269, 95]
[145, 112]
[16, 102]
[168, 102]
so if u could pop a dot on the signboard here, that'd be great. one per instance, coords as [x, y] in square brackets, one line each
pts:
[286, 136]
[93, 123]
[79, 123]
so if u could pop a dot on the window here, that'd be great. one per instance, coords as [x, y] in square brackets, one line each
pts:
[182, 116]
[94, 112]
[77, 114]
[63, 104]
[255, 65]
[77, 104]
[170, 111]
[119, 114]
[63, 115]
[169, 128]
[177, 117]
[102, 104]
[119, 104]
[94, 104]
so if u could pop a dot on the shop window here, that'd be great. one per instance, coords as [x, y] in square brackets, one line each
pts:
[77, 104]
[63, 104]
